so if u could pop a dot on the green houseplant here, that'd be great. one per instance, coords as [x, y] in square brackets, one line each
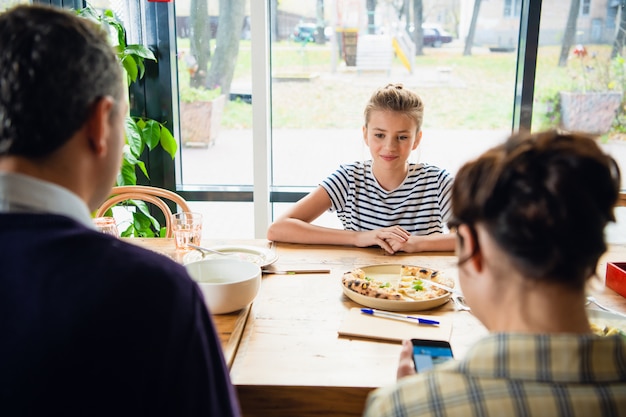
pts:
[141, 133]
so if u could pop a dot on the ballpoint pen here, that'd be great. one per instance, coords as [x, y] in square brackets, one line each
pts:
[295, 271]
[395, 316]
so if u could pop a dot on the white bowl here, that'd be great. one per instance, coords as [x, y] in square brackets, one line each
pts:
[227, 284]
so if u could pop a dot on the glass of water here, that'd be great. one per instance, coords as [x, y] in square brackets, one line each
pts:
[106, 225]
[187, 228]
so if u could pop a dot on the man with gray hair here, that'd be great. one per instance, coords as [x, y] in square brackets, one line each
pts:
[89, 325]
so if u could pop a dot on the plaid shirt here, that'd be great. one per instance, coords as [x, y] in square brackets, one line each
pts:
[516, 375]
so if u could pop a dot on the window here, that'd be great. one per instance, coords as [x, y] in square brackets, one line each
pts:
[320, 89]
[585, 6]
[512, 8]
[589, 70]
[316, 93]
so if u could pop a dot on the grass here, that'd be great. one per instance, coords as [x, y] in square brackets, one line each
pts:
[476, 94]
[460, 92]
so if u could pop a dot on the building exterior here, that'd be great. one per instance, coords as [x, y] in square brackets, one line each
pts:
[498, 21]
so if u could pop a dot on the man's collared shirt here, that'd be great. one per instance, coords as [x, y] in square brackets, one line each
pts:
[24, 194]
[516, 375]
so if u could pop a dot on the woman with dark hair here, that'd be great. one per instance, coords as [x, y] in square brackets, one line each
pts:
[530, 218]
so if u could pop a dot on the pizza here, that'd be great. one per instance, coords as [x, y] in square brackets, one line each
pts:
[408, 285]
[604, 330]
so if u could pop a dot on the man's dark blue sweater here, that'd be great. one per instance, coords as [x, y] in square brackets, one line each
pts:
[93, 326]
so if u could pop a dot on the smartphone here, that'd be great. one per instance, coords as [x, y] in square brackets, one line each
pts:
[428, 353]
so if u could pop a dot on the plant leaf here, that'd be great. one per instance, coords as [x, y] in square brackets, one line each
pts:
[140, 51]
[127, 175]
[134, 137]
[129, 157]
[168, 142]
[129, 164]
[142, 224]
[118, 28]
[145, 210]
[151, 133]
[130, 231]
[89, 13]
[129, 64]
[141, 66]
[142, 168]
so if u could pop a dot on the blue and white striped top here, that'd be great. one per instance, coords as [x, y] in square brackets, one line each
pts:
[421, 204]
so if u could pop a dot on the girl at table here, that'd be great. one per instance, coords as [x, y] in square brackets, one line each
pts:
[386, 201]
[530, 218]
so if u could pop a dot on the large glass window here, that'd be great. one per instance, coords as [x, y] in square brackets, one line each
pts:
[214, 74]
[326, 62]
[321, 73]
[327, 57]
[580, 83]
[215, 92]
[580, 79]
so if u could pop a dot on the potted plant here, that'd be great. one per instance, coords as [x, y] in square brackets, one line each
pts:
[594, 102]
[141, 133]
[200, 115]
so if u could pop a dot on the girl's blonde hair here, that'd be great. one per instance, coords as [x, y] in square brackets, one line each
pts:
[394, 97]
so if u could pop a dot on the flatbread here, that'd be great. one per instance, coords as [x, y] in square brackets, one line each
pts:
[409, 285]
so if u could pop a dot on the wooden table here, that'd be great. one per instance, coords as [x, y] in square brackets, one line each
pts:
[288, 359]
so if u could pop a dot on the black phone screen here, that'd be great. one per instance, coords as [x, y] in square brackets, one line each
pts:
[428, 353]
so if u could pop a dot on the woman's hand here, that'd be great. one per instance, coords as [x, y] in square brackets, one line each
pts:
[405, 365]
[385, 238]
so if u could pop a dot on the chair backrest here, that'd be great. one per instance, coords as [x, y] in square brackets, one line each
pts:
[153, 195]
[621, 201]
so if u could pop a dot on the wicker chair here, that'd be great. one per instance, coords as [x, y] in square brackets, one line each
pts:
[151, 195]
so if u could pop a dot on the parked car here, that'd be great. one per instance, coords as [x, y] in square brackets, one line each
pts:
[435, 37]
[432, 36]
[307, 32]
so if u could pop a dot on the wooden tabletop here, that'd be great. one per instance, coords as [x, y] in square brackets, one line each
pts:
[286, 355]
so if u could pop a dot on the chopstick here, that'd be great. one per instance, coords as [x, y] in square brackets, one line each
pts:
[296, 271]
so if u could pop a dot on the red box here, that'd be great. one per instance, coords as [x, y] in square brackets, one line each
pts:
[616, 277]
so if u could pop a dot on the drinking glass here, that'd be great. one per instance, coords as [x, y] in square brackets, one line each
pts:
[106, 225]
[187, 228]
